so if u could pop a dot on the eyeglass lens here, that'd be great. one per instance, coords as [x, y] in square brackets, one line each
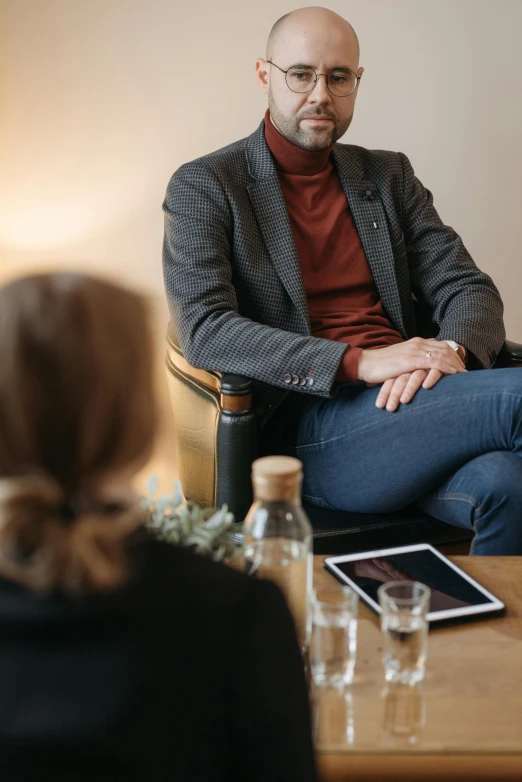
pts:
[340, 83]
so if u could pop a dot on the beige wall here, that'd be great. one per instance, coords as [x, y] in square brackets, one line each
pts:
[101, 100]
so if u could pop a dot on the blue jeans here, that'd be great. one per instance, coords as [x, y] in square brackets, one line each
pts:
[455, 450]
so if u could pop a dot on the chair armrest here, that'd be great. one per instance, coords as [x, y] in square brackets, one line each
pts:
[512, 352]
[235, 390]
[237, 384]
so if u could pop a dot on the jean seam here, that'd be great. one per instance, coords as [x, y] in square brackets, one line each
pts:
[455, 496]
[418, 408]
[360, 428]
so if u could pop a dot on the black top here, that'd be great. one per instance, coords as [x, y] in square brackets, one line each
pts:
[190, 672]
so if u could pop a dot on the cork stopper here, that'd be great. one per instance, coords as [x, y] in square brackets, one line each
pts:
[277, 478]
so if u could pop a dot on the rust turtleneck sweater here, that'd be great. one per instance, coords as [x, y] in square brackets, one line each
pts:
[343, 301]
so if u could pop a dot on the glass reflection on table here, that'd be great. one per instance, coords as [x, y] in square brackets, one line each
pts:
[333, 716]
[345, 719]
[404, 713]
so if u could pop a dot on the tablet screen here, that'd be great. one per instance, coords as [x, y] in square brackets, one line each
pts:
[449, 589]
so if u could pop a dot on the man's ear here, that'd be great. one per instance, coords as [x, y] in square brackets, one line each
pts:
[262, 74]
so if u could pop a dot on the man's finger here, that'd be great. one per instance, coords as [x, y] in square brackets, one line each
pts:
[396, 392]
[384, 393]
[433, 377]
[434, 361]
[413, 385]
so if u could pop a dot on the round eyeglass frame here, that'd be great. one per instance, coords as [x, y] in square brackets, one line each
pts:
[326, 76]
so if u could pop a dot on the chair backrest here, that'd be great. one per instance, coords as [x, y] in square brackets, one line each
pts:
[195, 410]
[216, 432]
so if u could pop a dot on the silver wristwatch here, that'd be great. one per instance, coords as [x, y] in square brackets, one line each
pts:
[453, 345]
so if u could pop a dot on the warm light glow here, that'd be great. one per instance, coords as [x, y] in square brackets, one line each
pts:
[62, 219]
[45, 227]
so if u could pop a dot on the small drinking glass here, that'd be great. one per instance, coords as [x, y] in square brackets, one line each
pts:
[404, 608]
[334, 636]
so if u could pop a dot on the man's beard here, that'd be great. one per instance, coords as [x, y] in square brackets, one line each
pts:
[292, 129]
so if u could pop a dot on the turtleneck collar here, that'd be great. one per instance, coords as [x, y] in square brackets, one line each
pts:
[291, 159]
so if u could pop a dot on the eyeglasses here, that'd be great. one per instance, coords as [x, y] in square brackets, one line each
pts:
[340, 83]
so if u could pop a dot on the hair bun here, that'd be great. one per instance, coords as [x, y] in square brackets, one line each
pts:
[42, 547]
[73, 507]
[31, 489]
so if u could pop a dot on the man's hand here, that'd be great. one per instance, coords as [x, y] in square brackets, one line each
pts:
[402, 389]
[378, 366]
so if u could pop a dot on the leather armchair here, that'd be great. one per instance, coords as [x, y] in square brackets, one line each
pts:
[217, 438]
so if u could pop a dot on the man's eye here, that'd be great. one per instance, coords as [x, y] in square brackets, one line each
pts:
[338, 78]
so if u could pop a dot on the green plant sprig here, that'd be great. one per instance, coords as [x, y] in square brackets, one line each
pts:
[208, 531]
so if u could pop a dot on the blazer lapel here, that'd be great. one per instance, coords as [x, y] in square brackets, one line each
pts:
[372, 226]
[273, 221]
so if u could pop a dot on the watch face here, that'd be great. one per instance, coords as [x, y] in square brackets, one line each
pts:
[452, 344]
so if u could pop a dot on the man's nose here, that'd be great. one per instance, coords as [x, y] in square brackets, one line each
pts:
[320, 93]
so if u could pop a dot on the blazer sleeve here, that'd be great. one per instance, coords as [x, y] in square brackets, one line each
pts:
[202, 299]
[463, 300]
[271, 724]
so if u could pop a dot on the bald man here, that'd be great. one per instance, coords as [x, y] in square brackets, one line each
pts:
[292, 259]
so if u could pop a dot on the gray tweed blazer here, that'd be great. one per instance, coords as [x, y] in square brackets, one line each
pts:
[234, 286]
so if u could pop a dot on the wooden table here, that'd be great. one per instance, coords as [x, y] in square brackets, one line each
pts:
[466, 720]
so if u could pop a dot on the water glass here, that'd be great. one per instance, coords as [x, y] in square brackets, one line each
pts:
[334, 636]
[404, 608]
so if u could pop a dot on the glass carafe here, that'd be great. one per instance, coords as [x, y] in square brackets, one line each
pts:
[278, 536]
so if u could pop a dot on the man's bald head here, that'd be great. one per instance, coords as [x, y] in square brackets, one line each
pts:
[302, 20]
[311, 39]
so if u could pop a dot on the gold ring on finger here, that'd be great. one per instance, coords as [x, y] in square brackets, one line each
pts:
[428, 354]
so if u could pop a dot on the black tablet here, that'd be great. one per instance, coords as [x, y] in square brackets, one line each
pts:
[454, 594]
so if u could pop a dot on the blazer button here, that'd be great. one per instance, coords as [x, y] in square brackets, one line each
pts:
[309, 381]
[295, 380]
[302, 381]
[287, 378]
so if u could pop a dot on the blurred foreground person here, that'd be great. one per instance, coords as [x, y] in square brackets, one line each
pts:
[120, 657]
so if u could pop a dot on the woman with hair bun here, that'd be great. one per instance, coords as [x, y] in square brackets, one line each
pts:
[120, 657]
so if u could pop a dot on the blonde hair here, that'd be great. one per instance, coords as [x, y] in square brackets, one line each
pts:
[76, 406]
